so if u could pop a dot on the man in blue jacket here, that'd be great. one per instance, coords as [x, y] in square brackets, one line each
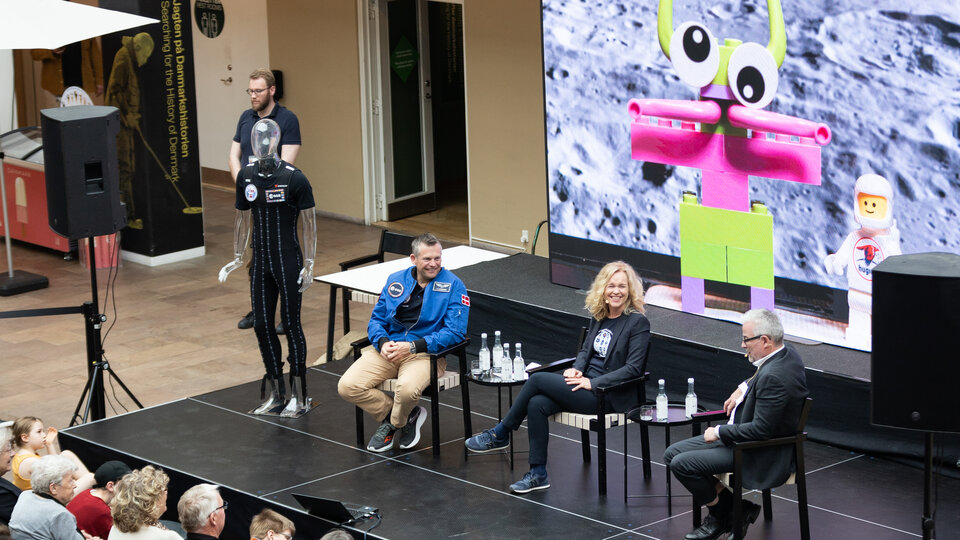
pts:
[421, 310]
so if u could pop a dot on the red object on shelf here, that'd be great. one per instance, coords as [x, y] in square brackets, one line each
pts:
[27, 205]
[106, 251]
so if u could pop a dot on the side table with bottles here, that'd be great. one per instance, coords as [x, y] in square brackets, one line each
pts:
[496, 368]
[677, 415]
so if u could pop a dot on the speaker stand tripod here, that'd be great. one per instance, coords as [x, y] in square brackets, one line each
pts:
[928, 523]
[93, 391]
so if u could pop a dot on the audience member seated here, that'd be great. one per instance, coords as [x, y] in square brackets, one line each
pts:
[614, 351]
[8, 491]
[336, 534]
[203, 512]
[28, 438]
[270, 525]
[41, 514]
[139, 499]
[765, 406]
[92, 507]
[422, 310]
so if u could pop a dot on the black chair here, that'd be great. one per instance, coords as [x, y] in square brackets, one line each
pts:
[450, 379]
[390, 242]
[589, 422]
[734, 480]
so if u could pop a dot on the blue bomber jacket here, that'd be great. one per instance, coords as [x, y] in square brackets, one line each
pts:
[443, 316]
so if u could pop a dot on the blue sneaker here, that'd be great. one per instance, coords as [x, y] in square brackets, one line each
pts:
[530, 482]
[485, 442]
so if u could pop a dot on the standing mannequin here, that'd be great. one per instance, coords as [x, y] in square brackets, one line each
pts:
[273, 193]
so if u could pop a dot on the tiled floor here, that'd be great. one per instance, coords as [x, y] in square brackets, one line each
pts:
[851, 496]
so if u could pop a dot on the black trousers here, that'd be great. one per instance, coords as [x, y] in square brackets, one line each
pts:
[695, 461]
[542, 396]
[274, 276]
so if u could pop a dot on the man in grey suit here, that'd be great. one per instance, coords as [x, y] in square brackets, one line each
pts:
[765, 406]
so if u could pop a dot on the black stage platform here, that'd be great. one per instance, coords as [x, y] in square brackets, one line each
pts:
[515, 295]
[261, 461]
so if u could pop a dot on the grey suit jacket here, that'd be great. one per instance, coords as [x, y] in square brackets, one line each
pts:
[771, 408]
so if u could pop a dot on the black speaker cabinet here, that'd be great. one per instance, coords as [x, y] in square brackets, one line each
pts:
[80, 164]
[915, 365]
[278, 77]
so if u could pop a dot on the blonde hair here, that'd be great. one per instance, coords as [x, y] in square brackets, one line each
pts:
[21, 427]
[265, 74]
[137, 498]
[595, 302]
[268, 520]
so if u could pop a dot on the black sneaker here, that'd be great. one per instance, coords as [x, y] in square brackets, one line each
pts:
[410, 433]
[382, 439]
[246, 322]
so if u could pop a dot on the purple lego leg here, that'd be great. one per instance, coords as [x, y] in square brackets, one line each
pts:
[761, 298]
[691, 295]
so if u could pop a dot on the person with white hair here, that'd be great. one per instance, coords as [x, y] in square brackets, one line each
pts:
[8, 492]
[763, 407]
[41, 514]
[203, 512]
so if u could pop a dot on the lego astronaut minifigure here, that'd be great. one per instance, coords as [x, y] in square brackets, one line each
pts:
[865, 248]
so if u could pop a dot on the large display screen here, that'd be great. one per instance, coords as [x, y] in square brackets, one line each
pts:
[883, 75]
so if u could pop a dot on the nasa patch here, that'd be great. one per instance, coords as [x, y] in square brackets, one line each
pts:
[441, 287]
[395, 289]
[250, 192]
[275, 195]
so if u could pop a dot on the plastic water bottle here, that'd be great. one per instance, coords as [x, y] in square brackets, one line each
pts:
[662, 403]
[691, 401]
[497, 354]
[483, 358]
[519, 367]
[506, 364]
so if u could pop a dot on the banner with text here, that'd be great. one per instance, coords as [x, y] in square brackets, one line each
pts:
[151, 82]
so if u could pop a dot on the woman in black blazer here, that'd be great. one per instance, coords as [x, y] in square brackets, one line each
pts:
[615, 350]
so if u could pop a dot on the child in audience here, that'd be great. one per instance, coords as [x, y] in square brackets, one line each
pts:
[29, 437]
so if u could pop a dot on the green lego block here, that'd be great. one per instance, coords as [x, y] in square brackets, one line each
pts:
[700, 260]
[746, 230]
[750, 267]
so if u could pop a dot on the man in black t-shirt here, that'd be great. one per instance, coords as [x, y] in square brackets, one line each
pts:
[261, 89]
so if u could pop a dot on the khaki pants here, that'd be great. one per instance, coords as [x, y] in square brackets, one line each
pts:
[359, 384]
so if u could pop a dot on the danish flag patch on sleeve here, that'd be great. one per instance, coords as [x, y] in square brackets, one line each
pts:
[465, 300]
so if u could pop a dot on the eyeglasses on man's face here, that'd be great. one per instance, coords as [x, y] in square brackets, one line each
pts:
[223, 506]
[256, 91]
[749, 339]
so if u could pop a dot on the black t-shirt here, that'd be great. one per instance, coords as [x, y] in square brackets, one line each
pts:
[408, 312]
[289, 130]
[275, 202]
[600, 344]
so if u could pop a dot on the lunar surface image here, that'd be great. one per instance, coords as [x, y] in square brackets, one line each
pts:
[884, 75]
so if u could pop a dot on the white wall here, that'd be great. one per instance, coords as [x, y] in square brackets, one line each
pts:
[8, 108]
[243, 46]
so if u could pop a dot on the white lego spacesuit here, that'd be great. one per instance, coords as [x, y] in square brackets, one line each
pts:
[865, 248]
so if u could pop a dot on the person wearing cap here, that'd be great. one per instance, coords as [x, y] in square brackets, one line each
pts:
[92, 507]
